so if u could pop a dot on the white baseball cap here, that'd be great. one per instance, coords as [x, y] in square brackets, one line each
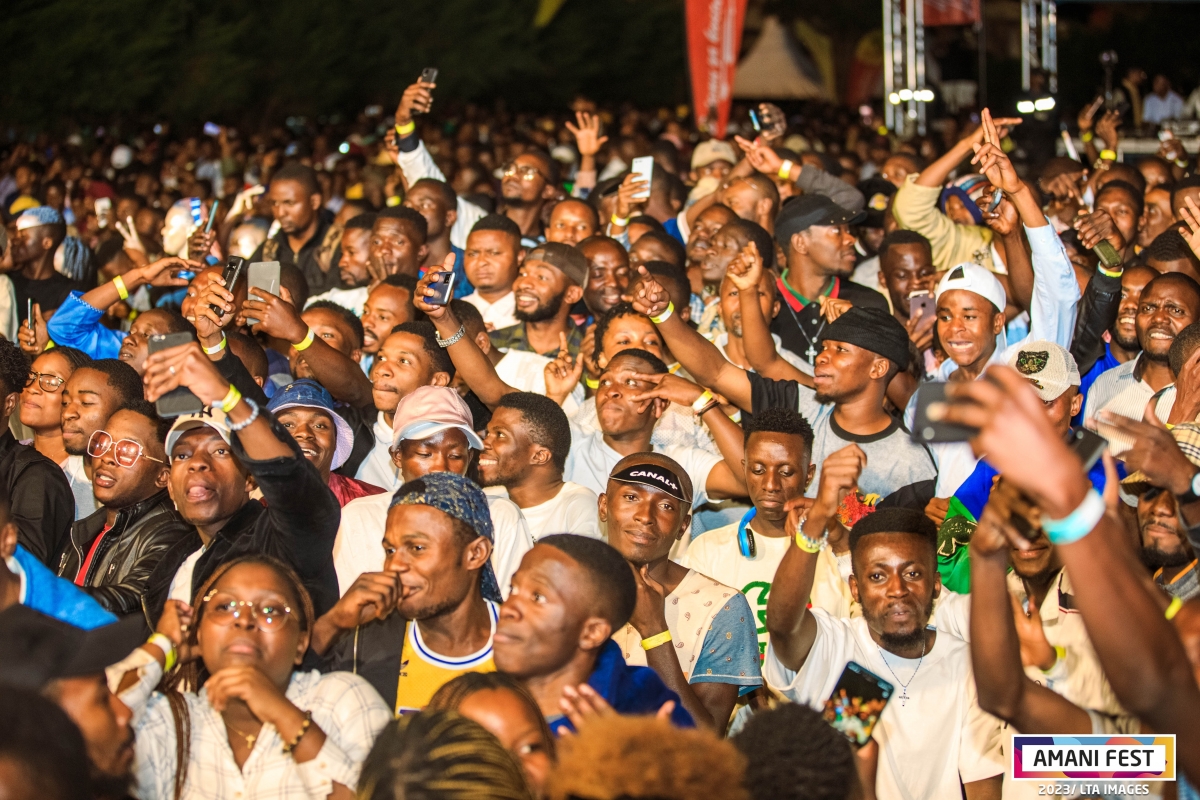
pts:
[973, 278]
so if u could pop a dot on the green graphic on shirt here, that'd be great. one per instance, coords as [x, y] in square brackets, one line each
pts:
[756, 595]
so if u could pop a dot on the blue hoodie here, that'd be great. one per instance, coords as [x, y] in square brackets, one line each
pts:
[57, 597]
[629, 690]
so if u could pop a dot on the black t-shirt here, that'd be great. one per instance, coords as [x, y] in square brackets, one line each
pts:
[799, 329]
[49, 293]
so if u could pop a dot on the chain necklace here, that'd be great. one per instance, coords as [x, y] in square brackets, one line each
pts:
[904, 686]
[811, 353]
[250, 738]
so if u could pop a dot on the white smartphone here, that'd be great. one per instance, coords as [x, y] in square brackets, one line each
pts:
[643, 168]
[263, 275]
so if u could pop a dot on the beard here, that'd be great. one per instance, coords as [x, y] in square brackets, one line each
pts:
[1131, 344]
[1154, 557]
[902, 641]
[543, 312]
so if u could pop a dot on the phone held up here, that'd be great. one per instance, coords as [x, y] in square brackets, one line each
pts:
[643, 170]
[921, 304]
[429, 75]
[443, 284]
[857, 700]
[234, 267]
[181, 400]
[263, 275]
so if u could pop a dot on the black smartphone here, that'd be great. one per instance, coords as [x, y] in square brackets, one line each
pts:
[181, 400]
[1088, 445]
[429, 75]
[234, 267]
[444, 286]
[856, 703]
[921, 304]
[926, 430]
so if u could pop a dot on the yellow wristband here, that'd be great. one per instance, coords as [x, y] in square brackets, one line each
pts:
[785, 170]
[406, 128]
[592, 383]
[804, 543]
[664, 316]
[168, 648]
[1173, 608]
[620, 222]
[1108, 155]
[232, 398]
[1060, 653]
[393, 201]
[304, 343]
[122, 292]
[651, 642]
[1111, 273]
[212, 351]
[50, 344]
[703, 400]
[1087, 136]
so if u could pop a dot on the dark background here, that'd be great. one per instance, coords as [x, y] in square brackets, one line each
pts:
[71, 62]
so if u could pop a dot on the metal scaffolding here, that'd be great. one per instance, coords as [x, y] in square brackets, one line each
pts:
[1039, 42]
[904, 66]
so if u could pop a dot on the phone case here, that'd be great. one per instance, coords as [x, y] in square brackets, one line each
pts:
[182, 400]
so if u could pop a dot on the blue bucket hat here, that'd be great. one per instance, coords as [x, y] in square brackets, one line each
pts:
[460, 498]
[307, 393]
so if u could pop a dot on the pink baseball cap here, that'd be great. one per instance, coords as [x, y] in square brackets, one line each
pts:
[429, 410]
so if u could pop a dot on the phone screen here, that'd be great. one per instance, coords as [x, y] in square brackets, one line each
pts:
[643, 168]
[856, 703]
[263, 275]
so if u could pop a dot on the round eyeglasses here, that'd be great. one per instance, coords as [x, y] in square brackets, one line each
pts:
[526, 172]
[126, 452]
[48, 382]
[267, 616]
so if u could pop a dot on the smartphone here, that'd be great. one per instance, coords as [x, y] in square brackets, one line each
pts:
[234, 267]
[996, 197]
[263, 275]
[212, 214]
[921, 304]
[856, 703]
[103, 209]
[29, 312]
[444, 285]
[212, 129]
[926, 430]
[429, 75]
[1088, 445]
[180, 400]
[1107, 254]
[754, 121]
[643, 168]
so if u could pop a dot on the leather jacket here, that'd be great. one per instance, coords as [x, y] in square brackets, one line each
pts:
[1097, 312]
[128, 553]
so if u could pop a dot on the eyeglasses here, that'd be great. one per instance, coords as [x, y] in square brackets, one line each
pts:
[266, 617]
[125, 451]
[49, 383]
[526, 172]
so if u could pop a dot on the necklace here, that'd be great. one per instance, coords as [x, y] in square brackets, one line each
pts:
[250, 738]
[904, 686]
[811, 353]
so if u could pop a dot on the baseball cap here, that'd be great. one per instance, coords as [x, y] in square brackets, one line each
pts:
[39, 648]
[460, 498]
[211, 417]
[564, 258]
[973, 278]
[656, 471]
[307, 393]
[429, 410]
[801, 213]
[712, 150]
[1048, 366]
[878, 193]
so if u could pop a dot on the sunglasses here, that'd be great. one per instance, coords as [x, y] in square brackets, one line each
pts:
[48, 382]
[126, 452]
[526, 172]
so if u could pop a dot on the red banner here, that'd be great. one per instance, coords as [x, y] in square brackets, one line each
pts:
[951, 12]
[714, 35]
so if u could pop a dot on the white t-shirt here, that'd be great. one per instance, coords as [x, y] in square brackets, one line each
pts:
[526, 372]
[497, 315]
[358, 547]
[575, 509]
[353, 299]
[81, 486]
[181, 585]
[928, 743]
[591, 461]
[715, 554]
[377, 468]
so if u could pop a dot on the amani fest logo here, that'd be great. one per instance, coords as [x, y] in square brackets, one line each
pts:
[1147, 758]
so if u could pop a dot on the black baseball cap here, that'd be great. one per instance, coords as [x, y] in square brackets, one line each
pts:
[878, 193]
[651, 472]
[801, 213]
[38, 648]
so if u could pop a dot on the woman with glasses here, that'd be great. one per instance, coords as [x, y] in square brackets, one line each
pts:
[246, 722]
[42, 400]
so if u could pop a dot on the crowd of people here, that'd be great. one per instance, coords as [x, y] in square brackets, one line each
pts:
[536, 476]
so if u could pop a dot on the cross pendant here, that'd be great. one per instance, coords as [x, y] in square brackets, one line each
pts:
[903, 697]
[811, 353]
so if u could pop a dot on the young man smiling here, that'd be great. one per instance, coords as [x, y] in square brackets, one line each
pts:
[713, 653]
[549, 283]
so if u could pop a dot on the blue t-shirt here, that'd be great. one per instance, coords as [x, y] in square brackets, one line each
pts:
[671, 226]
[462, 286]
[730, 652]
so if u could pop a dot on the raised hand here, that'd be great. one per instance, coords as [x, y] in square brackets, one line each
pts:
[276, 316]
[839, 475]
[1096, 227]
[628, 199]
[425, 289]
[33, 336]
[1106, 129]
[176, 624]
[562, 373]
[417, 97]
[1036, 650]
[745, 270]
[760, 156]
[1087, 116]
[129, 233]
[920, 330]
[993, 162]
[668, 387]
[164, 272]
[587, 133]
[1004, 219]
[650, 298]
[1190, 213]
[833, 307]
[184, 365]
[1153, 450]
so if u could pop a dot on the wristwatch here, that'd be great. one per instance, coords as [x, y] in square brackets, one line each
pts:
[1193, 492]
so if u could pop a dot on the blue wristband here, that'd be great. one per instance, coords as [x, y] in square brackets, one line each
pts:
[1079, 523]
